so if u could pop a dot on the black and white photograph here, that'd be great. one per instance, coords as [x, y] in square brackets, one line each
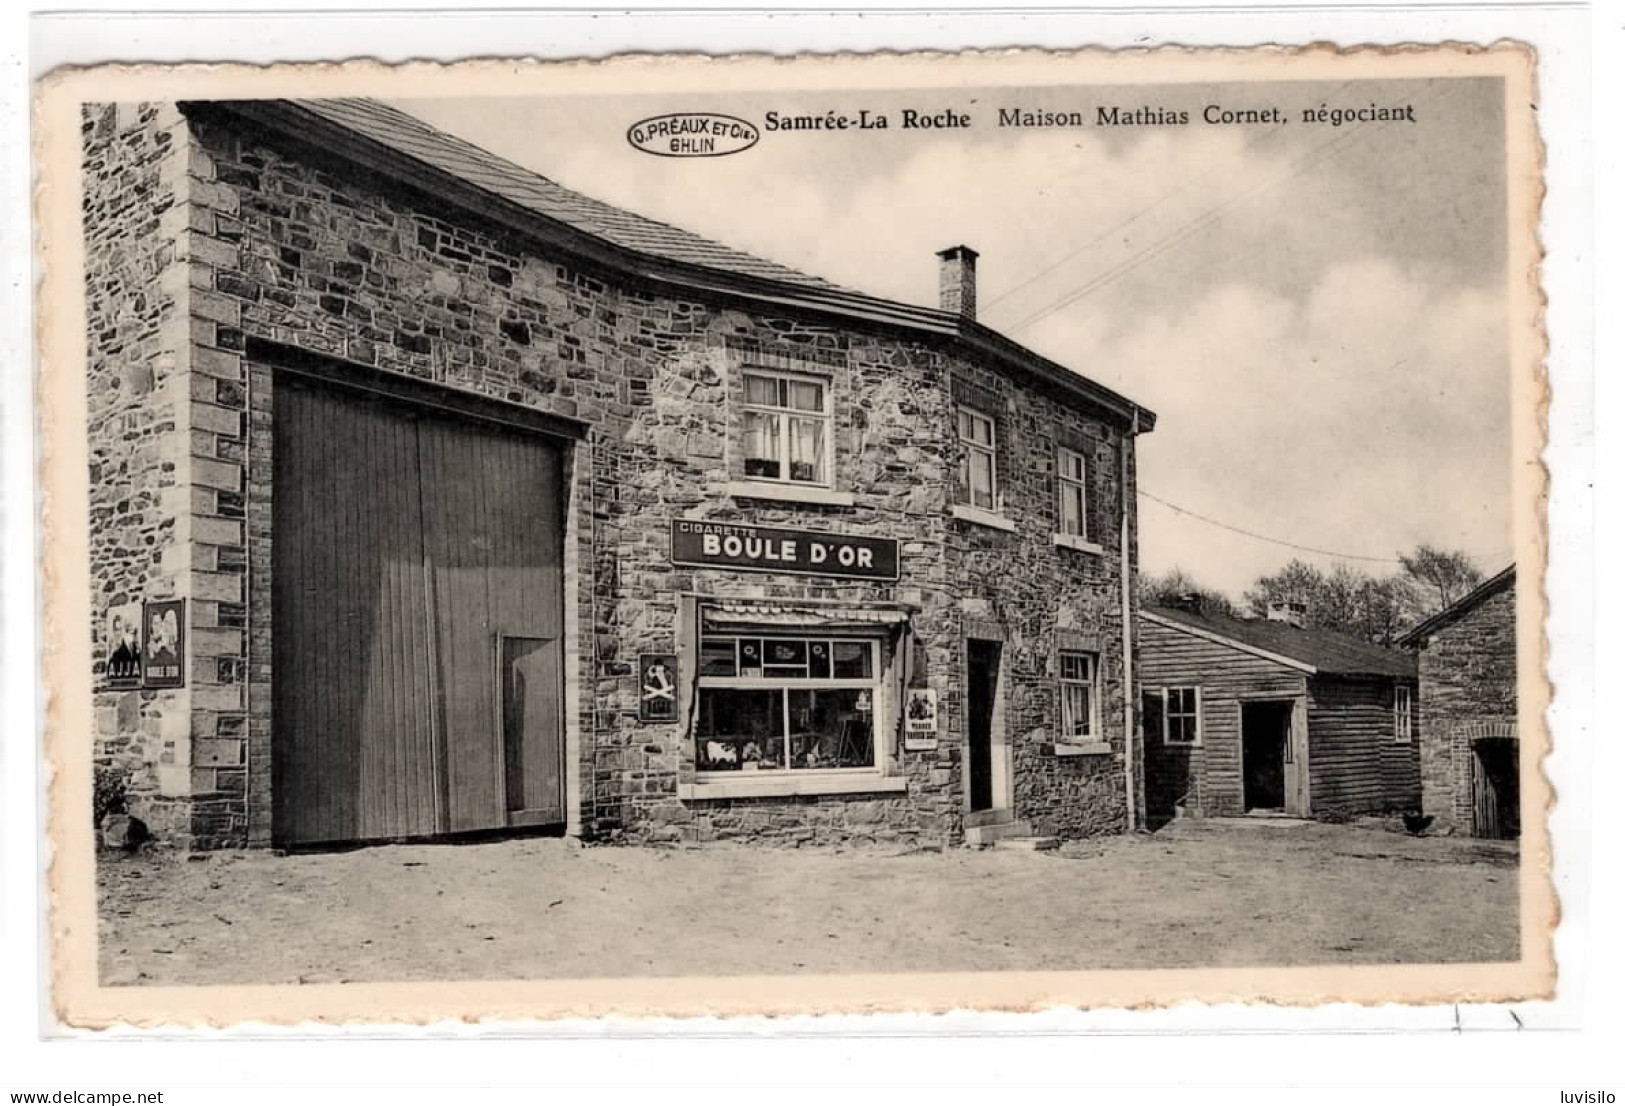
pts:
[871, 520]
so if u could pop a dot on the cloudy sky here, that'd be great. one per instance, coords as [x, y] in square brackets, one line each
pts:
[1316, 314]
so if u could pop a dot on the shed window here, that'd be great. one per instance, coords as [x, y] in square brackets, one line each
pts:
[1182, 718]
[1151, 714]
[978, 468]
[781, 704]
[786, 428]
[1079, 702]
[1072, 481]
[1404, 709]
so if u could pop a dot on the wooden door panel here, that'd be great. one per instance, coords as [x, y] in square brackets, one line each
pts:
[532, 720]
[494, 543]
[455, 540]
[354, 756]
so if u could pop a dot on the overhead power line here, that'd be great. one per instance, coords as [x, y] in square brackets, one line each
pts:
[1266, 538]
[1300, 164]
[1116, 228]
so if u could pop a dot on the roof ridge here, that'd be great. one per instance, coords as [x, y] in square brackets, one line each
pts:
[1323, 647]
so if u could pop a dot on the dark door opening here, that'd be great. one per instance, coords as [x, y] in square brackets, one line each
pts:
[981, 686]
[1495, 788]
[1266, 730]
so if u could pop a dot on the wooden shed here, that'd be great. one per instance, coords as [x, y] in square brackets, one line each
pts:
[1262, 716]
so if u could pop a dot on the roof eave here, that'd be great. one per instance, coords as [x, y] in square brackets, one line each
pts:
[1234, 643]
[290, 120]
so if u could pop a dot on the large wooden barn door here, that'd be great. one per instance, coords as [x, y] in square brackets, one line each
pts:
[417, 622]
[496, 555]
[354, 749]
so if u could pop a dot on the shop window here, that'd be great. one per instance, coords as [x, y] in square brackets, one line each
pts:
[1079, 697]
[1072, 483]
[1404, 710]
[786, 428]
[785, 704]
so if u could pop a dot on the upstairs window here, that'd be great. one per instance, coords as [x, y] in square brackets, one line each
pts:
[786, 428]
[978, 469]
[1404, 708]
[1072, 480]
[1079, 701]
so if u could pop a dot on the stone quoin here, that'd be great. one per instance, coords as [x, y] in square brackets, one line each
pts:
[409, 429]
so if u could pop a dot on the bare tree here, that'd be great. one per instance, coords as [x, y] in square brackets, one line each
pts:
[1439, 577]
[1172, 587]
[1377, 608]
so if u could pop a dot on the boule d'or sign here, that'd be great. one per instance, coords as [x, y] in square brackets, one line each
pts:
[697, 543]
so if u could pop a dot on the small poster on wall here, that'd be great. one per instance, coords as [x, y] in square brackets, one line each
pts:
[124, 645]
[920, 718]
[164, 625]
[657, 687]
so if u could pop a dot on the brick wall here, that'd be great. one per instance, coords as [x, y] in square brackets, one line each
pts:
[1468, 689]
[287, 247]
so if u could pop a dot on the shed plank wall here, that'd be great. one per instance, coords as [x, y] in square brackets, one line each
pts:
[1211, 774]
[1355, 765]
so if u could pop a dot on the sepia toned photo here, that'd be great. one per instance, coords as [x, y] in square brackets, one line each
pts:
[682, 536]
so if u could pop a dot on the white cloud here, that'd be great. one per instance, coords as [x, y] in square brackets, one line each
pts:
[1364, 418]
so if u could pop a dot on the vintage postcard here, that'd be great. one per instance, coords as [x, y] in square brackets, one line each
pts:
[834, 534]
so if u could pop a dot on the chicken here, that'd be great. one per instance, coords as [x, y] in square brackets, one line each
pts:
[1416, 823]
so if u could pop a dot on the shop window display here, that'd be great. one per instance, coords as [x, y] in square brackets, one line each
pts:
[781, 704]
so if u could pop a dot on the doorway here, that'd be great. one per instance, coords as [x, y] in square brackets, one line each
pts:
[1266, 754]
[981, 690]
[1495, 788]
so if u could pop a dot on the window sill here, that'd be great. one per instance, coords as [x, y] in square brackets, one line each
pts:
[789, 493]
[1083, 749]
[1080, 543]
[810, 783]
[966, 513]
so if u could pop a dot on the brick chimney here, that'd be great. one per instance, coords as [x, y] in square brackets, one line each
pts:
[1190, 602]
[958, 280]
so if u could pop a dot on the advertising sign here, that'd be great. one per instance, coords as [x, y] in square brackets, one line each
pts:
[657, 687]
[123, 644]
[164, 629]
[697, 543]
[920, 719]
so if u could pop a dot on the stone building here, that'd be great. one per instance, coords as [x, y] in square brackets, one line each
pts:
[487, 505]
[1265, 716]
[1467, 661]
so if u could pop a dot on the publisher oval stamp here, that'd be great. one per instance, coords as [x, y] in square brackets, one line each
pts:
[693, 134]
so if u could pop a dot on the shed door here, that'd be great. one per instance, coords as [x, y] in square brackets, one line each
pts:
[417, 613]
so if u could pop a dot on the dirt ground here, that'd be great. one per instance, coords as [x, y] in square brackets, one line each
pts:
[1212, 893]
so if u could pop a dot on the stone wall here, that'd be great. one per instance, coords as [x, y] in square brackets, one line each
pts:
[1468, 674]
[137, 175]
[289, 247]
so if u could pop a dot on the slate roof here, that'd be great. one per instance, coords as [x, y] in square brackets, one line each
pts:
[386, 140]
[409, 135]
[1328, 652]
[1493, 586]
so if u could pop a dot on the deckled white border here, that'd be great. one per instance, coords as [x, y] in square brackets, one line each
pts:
[1568, 337]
